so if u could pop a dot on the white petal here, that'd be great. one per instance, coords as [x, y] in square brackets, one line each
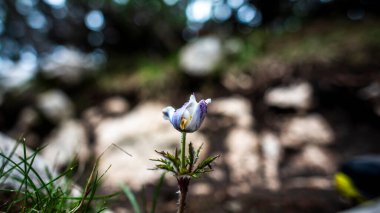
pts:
[168, 112]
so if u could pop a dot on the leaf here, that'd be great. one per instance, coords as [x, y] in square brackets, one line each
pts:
[201, 168]
[197, 154]
[157, 190]
[191, 157]
[173, 159]
[131, 197]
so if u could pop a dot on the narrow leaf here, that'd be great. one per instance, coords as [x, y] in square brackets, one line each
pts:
[131, 197]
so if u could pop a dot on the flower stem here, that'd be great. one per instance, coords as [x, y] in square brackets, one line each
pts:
[183, 151]
[183, 184]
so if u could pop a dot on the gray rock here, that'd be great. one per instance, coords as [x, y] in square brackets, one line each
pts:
[68, 141]
[310, 129]
[324, 183]
[271, 150]
[140, 132]
[115, 105]
[311, 158]
[202, 56]
[55, 105]
[238, 108]
[370, 207]
[297, 96]
[243, 160]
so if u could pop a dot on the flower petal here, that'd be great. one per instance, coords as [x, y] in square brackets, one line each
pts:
[198, 116]
[168, 112]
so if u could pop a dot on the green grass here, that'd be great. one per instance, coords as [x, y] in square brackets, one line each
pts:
[142, 208]
[38, 193]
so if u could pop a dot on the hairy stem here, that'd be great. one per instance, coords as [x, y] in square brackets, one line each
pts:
[183, 184]
[183, 151]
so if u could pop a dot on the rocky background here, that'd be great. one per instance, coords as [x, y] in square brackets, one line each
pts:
[287, 108]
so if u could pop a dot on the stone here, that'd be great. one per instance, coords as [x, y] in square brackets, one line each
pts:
[242, 157]
[271, 151]
[370, 207]
[55, 105]
[323, 183]
[139, 133]
[312, 159]
[297, 96]
[66, 143]
[115, 105]
[201, 189]
[238, 108]
[309, 129]
[202, 56]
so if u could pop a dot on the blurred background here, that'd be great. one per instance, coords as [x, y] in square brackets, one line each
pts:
[295, 86]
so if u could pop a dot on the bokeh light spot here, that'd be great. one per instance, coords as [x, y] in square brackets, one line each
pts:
[56, 3]
[235, 3]
[199, 11]
[246, 14]
[170, 2]
[94, 20]
[222, 12]
[36, 20]
[121, 2]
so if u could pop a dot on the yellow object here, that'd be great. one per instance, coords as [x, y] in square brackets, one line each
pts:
[346, 187]
[183, 123]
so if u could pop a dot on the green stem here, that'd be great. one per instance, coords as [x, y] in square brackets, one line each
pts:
[183, 151]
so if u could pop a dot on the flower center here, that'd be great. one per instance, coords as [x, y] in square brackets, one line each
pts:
[185, 119]
[183, 123]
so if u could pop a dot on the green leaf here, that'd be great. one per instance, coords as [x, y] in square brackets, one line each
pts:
[197, 154]
[131, 197]
[191, 157]
[201, 168]
[174, 159]
[157, 190]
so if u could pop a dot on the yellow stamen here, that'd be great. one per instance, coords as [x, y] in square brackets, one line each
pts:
[183, 123]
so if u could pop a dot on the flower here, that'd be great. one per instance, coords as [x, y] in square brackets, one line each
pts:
[189, 117]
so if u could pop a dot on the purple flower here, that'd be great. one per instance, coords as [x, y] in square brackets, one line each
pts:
[189, 117]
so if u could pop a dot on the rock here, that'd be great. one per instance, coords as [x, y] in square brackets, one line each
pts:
[115, 105]
[236, 80]
[42, 167]
[201, 189]
[271, 150]
[310, 129]
[370, 207]
[66, 143]
[297, 96]
[238, 108]
[323, 183]
[55, 105]
[312, 159]
[242, 158]
[202, 56]
[140, 133]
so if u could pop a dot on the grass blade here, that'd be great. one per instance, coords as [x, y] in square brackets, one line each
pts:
[156, 193]
[131, 197]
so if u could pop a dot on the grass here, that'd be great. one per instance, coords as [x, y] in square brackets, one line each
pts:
[34, 190]
[142, 208]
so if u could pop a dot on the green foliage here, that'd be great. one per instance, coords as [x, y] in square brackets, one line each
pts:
[39, 194]
[132, 198]
[172, 163]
